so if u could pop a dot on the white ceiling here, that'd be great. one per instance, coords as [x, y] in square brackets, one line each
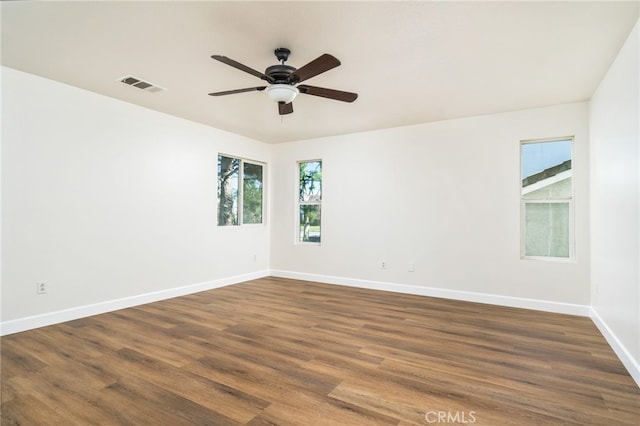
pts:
[410, 62]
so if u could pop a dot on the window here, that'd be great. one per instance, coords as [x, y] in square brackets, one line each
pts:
[547, 198]
[237, 204]
[252, 193]
[309, 201]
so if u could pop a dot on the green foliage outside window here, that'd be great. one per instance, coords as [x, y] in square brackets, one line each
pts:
[227, 190]
[310, 200]
[252, 193]
[239, 204]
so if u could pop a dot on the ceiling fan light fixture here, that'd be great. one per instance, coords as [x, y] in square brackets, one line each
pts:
[282, 92]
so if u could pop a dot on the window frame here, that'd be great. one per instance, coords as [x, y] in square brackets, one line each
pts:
[240, 192]
[570, 200]
[298, 204]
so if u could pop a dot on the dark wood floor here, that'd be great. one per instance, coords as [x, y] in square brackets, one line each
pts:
[285, 352]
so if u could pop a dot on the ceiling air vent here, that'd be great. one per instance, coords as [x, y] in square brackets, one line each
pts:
[140, 84]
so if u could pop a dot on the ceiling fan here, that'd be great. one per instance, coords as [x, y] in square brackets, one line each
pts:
[283, 80]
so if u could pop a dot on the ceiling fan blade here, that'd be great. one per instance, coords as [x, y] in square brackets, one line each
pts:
[231, 92]
[284, 109]
[319, 65]
[338, 95]
[242, 67]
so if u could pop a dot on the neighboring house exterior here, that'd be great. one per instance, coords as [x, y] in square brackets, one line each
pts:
[547, 212]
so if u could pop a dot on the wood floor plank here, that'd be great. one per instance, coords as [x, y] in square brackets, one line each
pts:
[142, 403]
[23, 411]
[18, 358]
[232, 403]
[276, 351]
[62, 394]
[310, 409]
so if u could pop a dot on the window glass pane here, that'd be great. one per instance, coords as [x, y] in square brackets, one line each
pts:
[228, 177]
[252, 193]
[311, 181]
[546, 170]
[310, 223]
[547, 229]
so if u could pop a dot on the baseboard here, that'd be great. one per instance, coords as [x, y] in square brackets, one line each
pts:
[467, 296]
[632, 366]
[42, 320]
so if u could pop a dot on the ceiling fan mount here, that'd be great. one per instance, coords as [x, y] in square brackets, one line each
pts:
[283, 79]
[282, 53]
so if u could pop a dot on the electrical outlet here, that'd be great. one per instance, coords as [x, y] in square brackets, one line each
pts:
[411, 267]
[383, 264]
[41, 287]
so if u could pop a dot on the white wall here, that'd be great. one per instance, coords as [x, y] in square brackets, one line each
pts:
[105, 200]
[615, 204]
[443, 195]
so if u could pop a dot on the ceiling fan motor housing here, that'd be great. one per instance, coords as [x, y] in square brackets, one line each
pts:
[280, 73]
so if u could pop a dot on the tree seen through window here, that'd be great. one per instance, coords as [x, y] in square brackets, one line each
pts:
[239, 204]
[309, 201]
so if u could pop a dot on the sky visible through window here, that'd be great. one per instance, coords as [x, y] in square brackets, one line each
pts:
[537, 157]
